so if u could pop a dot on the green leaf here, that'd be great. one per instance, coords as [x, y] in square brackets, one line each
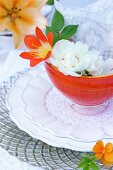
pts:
[58, 21]
[69, 31]
[57, 37]
[50, 2]
[85, 73]
[81, 164]
[48, 29]
[84, 162]
[94, 166]
[93, 158]
[87, 160]
[86, 167]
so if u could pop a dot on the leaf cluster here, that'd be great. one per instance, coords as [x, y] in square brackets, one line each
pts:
[50, 2]
[88, 162]
[58, 28]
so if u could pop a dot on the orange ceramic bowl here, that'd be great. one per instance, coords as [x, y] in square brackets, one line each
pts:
[86, 91]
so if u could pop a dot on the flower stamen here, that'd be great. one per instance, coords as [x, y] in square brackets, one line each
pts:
[41, 51]
[13, 13]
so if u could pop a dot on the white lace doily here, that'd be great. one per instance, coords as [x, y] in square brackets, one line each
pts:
[62, 108]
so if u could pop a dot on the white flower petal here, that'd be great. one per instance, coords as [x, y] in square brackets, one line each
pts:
[70, 58]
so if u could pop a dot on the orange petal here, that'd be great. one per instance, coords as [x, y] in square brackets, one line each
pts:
[5, 4]
[17, 3]
[12, 3]
[3, 12]
[50, 38]
[40, 35]
[100, 143]
[17, 33]
[26, 55]
[14, 28]
[18, 40]
[26, 24]
[48, 55]
[28, 16]
[32, 17]
[106, 161]
[25, 4]
[109, 147]
[28, 3]
[31, 3]
[99, 156]
[34, 62]
[3, 19]
[99, 147]
[32, 42]
[108, 157]
[3, 24]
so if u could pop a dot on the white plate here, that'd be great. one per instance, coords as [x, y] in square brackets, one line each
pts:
[43, 112]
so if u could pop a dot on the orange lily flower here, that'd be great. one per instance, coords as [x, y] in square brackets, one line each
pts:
[104, 152]
[21, 17]
[40, 47]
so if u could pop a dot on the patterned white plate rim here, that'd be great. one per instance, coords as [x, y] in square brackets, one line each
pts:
[36, 130]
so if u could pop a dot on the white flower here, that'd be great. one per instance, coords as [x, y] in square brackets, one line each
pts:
[71, 58]
[96, 66]
[63, 56]
[88, 60]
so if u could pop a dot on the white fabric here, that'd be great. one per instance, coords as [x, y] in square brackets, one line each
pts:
[95, 22]
[11, 64]
[79, 3]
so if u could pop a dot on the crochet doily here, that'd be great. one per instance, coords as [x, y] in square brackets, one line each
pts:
[68, 112]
